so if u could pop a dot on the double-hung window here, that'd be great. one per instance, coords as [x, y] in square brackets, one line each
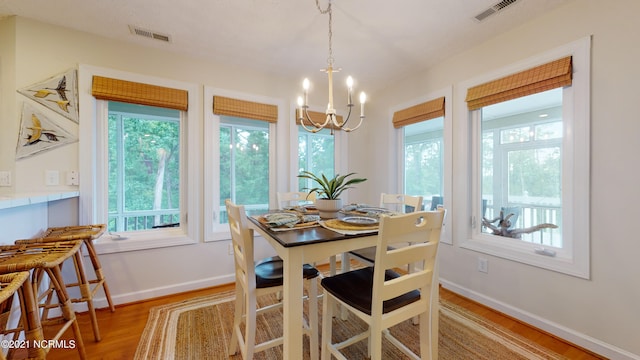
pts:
[529, 145]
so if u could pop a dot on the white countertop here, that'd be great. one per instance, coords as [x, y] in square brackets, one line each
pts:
[20, 199]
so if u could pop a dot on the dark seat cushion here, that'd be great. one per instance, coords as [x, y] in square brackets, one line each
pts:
[269, 272]
[367, 254]
[355, 288]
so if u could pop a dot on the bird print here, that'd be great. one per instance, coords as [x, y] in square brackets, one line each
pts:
[62, 104]
[37, 131]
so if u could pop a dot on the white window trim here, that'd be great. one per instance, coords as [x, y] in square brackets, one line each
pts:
[574, 261]
[447, 93]
[212, 157]
[93, 187]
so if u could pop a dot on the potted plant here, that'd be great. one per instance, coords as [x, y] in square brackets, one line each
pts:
[328, 191]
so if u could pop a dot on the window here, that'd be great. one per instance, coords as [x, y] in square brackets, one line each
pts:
[240, 156]
[144, 167]
[140, 160]
[316, 153]
[424, 152]
[424, 161]
[522, 168]
[244, 164]
[528, 158]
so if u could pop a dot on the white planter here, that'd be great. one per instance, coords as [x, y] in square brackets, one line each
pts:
[328, 209]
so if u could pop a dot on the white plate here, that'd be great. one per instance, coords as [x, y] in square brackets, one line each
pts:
[360, 220]
[373, 210]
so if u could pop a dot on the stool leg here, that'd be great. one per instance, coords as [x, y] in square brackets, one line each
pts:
[85, 293]
[55, 276]
[32, 325]
[97, 268]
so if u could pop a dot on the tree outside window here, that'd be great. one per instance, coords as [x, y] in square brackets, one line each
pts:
[144, 167]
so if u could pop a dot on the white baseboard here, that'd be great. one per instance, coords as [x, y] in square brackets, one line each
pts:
[572, 336]
[146, 294]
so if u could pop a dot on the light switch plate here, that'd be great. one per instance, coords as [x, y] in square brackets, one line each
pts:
[5, 178]
[52, 177]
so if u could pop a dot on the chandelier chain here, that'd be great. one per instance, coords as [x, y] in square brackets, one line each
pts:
[329, 11]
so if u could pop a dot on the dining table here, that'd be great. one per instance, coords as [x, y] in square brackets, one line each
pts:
[310, 244]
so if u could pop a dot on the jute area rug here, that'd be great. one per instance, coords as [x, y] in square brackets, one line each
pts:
[201, 328]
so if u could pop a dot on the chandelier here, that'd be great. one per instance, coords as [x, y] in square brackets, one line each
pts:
[331, 121]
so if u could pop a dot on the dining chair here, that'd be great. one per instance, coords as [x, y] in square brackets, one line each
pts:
[294, 198]
[383, 297]
[256, 279]
[397, 202]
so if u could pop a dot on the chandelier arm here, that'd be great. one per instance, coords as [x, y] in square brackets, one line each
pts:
[317, 127]
[355, 128]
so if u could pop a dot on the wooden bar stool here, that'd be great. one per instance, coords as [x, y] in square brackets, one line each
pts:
[82, 283]
[29, 322]
[41, 259]
[86, 233]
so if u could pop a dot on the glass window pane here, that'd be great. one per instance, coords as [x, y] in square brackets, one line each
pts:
[244, 164]
[521, 173]
[424, 160]
[144, 167]
[316, 153]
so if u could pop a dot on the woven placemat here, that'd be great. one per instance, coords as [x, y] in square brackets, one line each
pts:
[341, 225]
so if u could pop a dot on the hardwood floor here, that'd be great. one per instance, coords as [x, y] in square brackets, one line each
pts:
[121, 330]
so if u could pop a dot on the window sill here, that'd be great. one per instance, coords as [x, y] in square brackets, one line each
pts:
[147, 240]
[525, 253]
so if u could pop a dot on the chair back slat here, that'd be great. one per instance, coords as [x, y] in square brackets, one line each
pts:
[400, 202]
[242, 238]
[422, 230]
[295, 198]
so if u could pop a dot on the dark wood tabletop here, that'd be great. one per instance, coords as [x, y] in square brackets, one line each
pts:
[304, 236]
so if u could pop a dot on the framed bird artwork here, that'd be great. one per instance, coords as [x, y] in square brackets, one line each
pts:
[39, 133]
[58, 93]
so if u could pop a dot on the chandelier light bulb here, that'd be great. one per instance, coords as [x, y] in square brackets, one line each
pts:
[305, 84]
[363, 99]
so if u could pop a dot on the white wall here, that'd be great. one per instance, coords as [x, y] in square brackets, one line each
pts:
[601, 313]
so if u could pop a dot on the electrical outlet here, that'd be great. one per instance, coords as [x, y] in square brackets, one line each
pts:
[230, 249]
[52, 177]
[5, 178]
[72, 177]
[483, 265]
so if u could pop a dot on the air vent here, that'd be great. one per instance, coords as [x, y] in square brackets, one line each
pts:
[494, 9]
[149, 34]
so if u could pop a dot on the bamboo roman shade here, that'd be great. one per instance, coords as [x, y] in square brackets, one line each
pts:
[138, 93]
[425, 111]
[245, 109]
[316, 117]
[535, 80]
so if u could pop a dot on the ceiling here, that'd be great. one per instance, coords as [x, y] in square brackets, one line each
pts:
[375, 41]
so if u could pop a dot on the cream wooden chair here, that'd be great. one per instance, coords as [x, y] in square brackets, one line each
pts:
[395, 202]
[382, 297]
[294, 198]
[255, 279]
